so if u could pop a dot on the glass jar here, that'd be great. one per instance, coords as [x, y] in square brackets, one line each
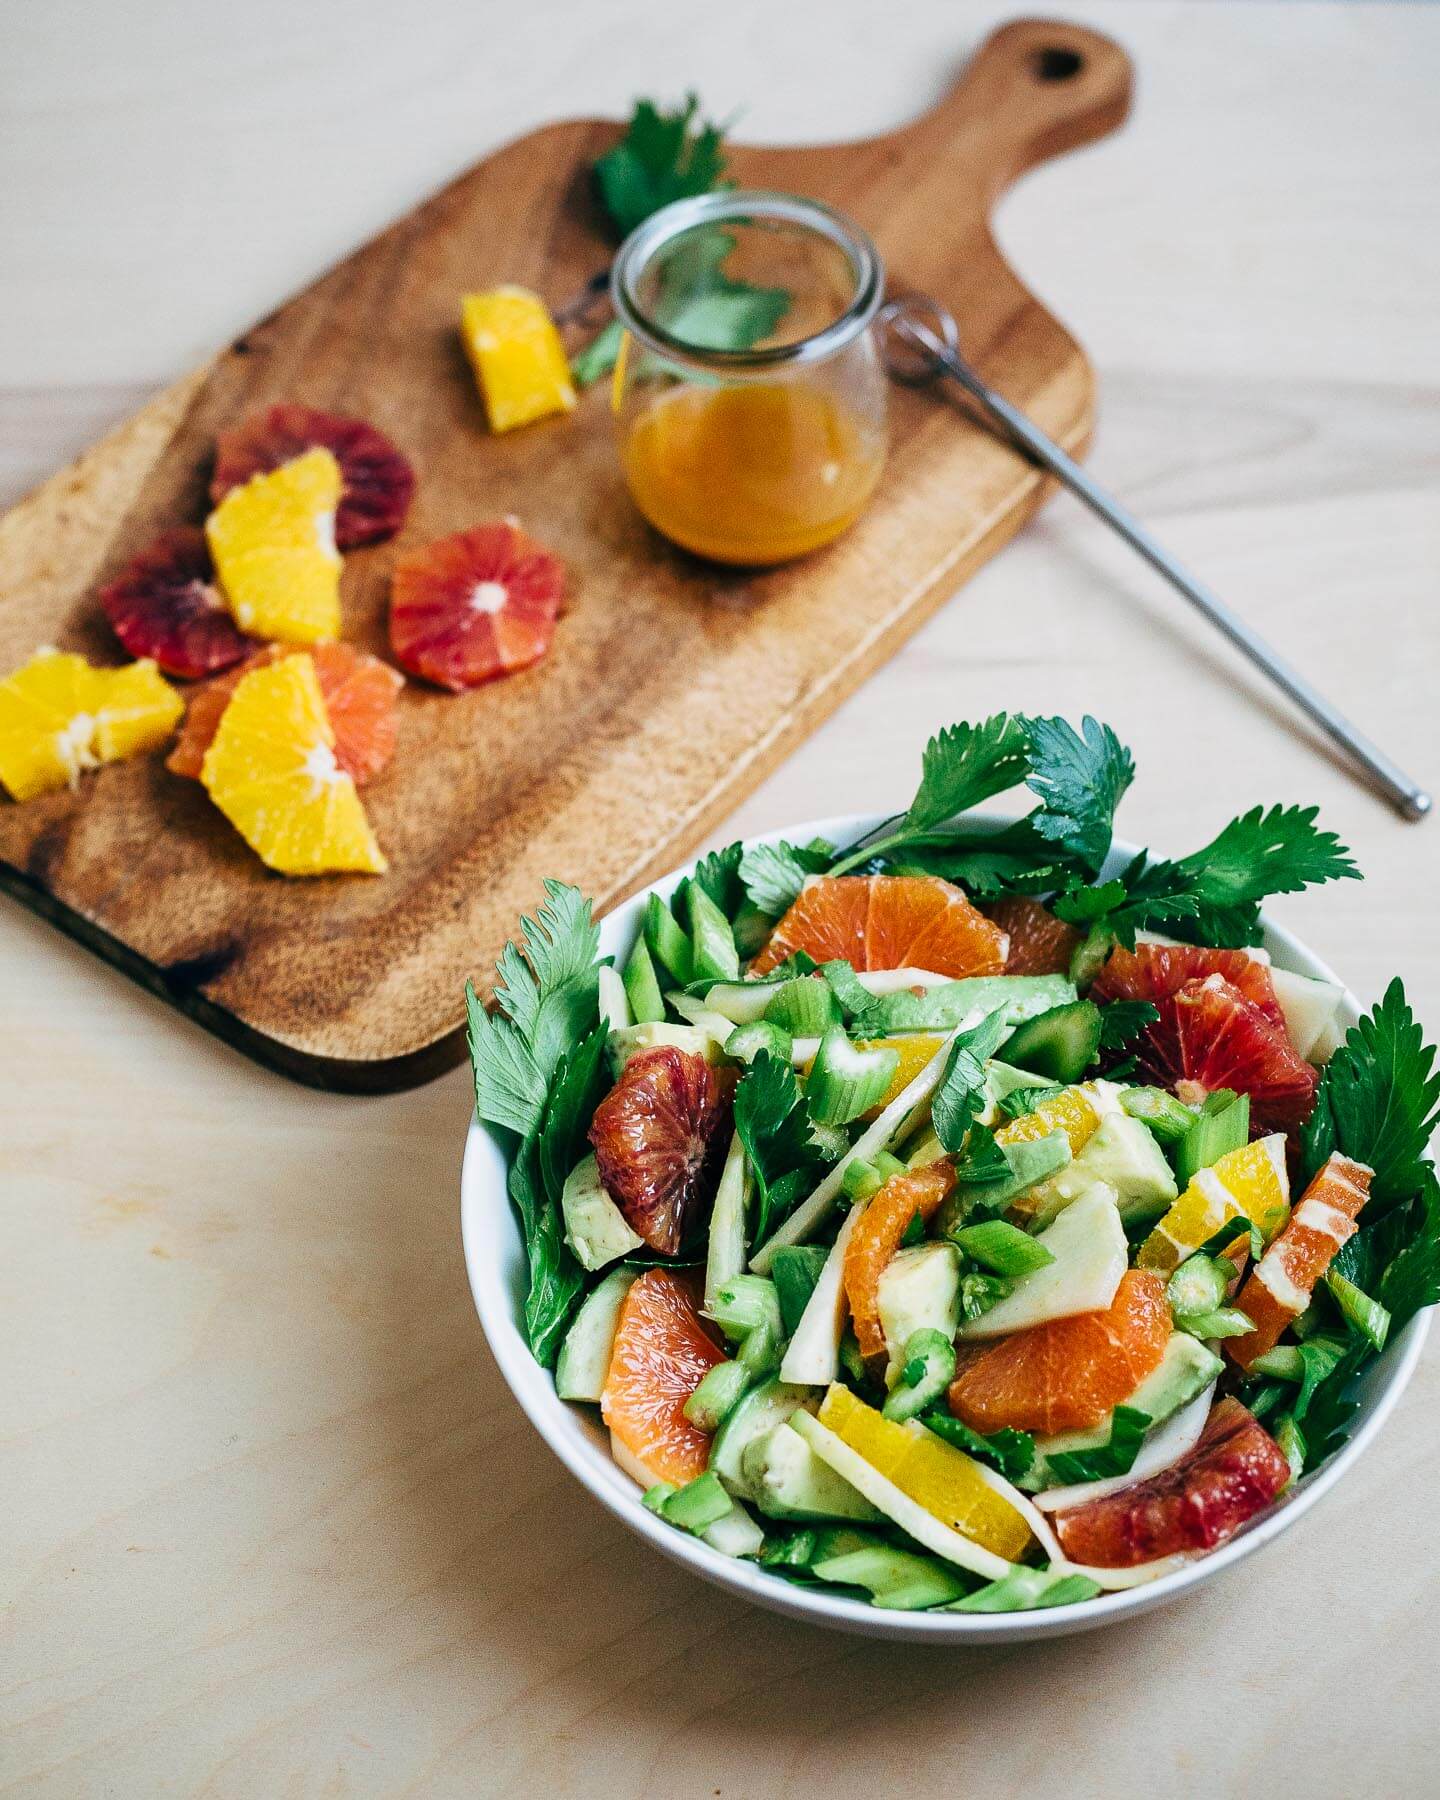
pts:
[749, 394]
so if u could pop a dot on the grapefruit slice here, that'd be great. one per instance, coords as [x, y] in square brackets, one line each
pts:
[655, 1137]
[1234, 1472]
[59, 717]
[165, 605]
[377, 482]
[1280, 1285]
[359, 694]
[273, 541]
[272, 771]
[888, 922]
[876, 1237]
[662, 1350]
[1040, 944]
[1068, 1374]
[475, 605]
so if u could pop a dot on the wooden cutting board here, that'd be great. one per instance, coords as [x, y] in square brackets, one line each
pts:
[672, 687]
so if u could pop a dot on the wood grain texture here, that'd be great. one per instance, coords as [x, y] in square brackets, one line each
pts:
[672, 689]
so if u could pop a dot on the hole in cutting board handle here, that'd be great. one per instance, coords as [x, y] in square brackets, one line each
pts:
[1056, 64]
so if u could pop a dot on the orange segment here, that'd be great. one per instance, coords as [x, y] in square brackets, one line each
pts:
[1074, 1112]
[1040, 944]
[517, 356]
[661, 1352]
[272, 771]
[1281, 1283]
[1252, 1182]
[937, 1476]
[876, 1237]
[1067, 1375]
[359, 693]
[888, 922]
[59, 717]
[273, 540]
[916, 1051]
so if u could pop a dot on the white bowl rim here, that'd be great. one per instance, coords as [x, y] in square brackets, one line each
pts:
[592, 1465]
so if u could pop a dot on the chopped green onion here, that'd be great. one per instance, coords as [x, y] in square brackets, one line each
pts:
[1002, 1248]
[929, 1370]
[805, 1007]
[1223, 1125]
[1367, 1316]
[647, 1004]
[1168, 1118]
[667, 943]
[844, 1080]
[720, 1388]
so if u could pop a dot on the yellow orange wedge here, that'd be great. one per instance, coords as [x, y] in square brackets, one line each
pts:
[1251, 1183]
[946, 1482]
[59, 717]
[517, 356]
[1074, 1112]
[271, 770]
[273, 541]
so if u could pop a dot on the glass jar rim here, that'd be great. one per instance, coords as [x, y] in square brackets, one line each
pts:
[742, 204]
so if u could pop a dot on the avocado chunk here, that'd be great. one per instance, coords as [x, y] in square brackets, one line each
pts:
[789, 1481]
[1183, 1373]
[899, 1580]
[1123, 1153]
[919, 1290]
[595, 1227]
[632, 1039]
[754, 1415]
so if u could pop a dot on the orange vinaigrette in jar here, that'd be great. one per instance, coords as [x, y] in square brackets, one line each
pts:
[749, 395]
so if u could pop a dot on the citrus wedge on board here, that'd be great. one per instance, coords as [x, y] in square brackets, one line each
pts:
[273, 540]
[59, 717]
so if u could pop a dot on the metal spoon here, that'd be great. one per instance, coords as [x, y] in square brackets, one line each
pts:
[919, 340]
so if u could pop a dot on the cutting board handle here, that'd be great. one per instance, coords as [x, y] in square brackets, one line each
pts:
[1034, 89]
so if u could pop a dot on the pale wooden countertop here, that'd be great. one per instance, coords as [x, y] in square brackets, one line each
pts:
[271, 1523]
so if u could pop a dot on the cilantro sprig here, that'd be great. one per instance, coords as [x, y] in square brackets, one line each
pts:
[663, 156]
[775, 1127]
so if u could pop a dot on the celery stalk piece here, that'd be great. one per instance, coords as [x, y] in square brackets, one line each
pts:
[744, 1304]
[1199, 1285]
[746, 1042]
[1023, 1590]
[719, 1391]
[712, 941]
[1283, 1363]
[813, 1210]
[844, 1080]
[1167, 1117]
[928, 1370]
[805, 1007]
[1291, 1440]
[1223, 1125]
[698, 1504]
[1002, 1248]
[667, 943]
[1225, 1321]
[742, 1001]
[642, 989]
[725, 1253]
[1368, 1316]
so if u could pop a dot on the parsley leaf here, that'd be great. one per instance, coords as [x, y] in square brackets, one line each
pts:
[961, 1091]
[1412, 1279]
[548, 984]
[555, 1276]
[1080, 777]
[962, 765]
[1020, 1101]
[1123, 1020]
[663, 156]
[1128, 1426]
[1379, 1102]
[1009, 1452]
[1330, 1408]
[773, 874]
[983, 1160]
[774, 1126]
[718, 875]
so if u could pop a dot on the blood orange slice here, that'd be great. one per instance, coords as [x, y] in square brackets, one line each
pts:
[876, 1237]
[661, 1352]
[378, 482]
[888, 922]
[165, 605]
[475, 605]
[655, 1136]
[1281, 1283]
[1223, 1040]
[359, 694]
[1067, 1375]
[1040, 944]
[1156, 972]
[1234, 1472]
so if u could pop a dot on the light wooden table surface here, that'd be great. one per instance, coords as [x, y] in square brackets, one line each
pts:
[270, 1523]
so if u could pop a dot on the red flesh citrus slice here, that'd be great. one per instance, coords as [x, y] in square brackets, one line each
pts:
[876, 1237]
[1067, 1375]
[379, 482]
[661, 1352]
[888, 922]
[1233, 1472]
[1040, 944]
[475, 605]
[1223, 1040]
[1280, 1285]
[655, 1137]
[359, 694]
[165, 604]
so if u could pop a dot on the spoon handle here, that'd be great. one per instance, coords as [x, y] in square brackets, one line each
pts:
[1405, 795]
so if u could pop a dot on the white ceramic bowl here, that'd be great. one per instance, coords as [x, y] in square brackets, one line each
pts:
[495, 1260]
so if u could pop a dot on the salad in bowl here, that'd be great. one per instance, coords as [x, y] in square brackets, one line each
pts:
[948, 1216]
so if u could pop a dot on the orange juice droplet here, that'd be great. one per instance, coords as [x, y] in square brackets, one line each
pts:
[755, 473]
